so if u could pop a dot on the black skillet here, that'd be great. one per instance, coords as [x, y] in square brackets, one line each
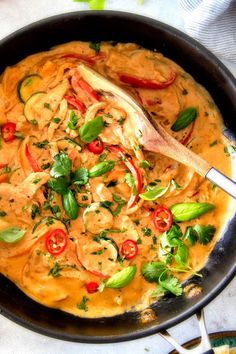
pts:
[207, 70]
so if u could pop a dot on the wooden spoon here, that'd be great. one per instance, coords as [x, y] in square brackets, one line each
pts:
[153, 136]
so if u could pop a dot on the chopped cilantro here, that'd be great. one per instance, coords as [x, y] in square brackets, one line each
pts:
[146, 231]
[83, 304]
[41, 144]
[47, 106]
[56, 120]
[95, 46]
[34, 211]
[2, 213]
[55, 270]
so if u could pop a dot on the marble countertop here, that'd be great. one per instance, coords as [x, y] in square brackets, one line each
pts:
[220, 313]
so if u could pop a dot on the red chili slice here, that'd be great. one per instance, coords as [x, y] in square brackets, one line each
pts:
[96, 146]
[56, 242]
[76, 103]
[31, 160]
[129, 249]
[148, 84]
[134, 171]
[8, 131]
[162, 218]
[78, 82]
[92, 287]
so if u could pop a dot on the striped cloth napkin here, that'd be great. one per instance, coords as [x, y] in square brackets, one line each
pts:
[213, 23]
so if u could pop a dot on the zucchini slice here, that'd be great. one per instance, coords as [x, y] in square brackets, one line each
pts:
[33, 106]
[27, 86]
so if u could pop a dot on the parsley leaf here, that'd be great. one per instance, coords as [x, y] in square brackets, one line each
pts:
[83, 304]
[171, 284]
[202, 234]
[151, 271]
[59, 185]
[61, 165]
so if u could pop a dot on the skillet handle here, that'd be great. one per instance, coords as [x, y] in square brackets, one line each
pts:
[203, 348]
[225, 183]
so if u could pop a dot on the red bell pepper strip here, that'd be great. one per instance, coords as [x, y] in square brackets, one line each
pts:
[186, 139]
[8, 131]
[89, 60]
[76, 103]
[148, 84]
[78, 82]
[134, 171]
[32, 162]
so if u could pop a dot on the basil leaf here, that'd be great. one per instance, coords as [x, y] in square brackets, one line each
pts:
[171, 284]
[122, 278]
[189, 211]
[154, 192]
[185, 117]
[61, 165]
[80, 176]
[181, 256]
[101, 168]
[90, 130]
[11, 234]
[59, 185]
[151, 271]
[202, 234]
[70, 205]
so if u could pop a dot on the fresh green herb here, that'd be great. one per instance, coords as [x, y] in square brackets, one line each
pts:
[80, 176]
[129, 179]
[106, 204]
[61, 165]
[33, 122]
[202, 234]
[188, 211]
[59, 185]
[120, 203]
[41, 144]
[121, 120]
[11, 234]
[206, 114]
[84, 197]
[90, 130]
[122, 278]
[230, 150]
[213, 143]
[19, 135]
[151, 271]
[36, 181]
[181, 255]
[56, 120]
[146, 231]
[99, 252]
[55, 270]
[70, 205]
[47, 106]
[101, 168]
[154, 192]
[73, 120]
[139, 241]
[144, 164]
[171, 284]
[136, 221]
[184, 92]
[83, 304]
[138, 147]
[95, 46]
[176, 185]
[154, 240]
[56, 211]
[102, 157]
[6, 169]
[34, 211]
[45, 166]
[186, 117]
[2, 213]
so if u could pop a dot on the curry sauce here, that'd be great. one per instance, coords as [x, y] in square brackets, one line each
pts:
[90, 223]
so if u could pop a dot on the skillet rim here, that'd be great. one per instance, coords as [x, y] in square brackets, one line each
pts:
[231, 81]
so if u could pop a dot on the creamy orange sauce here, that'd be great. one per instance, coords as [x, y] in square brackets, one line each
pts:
[27, 262]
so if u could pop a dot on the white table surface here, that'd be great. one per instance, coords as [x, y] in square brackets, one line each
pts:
[220, 314]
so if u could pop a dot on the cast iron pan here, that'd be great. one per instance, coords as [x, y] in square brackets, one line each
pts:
[206, 69]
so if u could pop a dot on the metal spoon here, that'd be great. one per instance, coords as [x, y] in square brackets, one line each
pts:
[154, 137]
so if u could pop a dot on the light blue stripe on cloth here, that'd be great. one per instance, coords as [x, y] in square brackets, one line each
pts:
[213, 23]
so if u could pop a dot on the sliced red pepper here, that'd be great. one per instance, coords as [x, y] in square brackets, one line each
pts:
[32, 162]
[89, 60]
[78, 82]
[8, 131]
[56, 242]
[92, 287]
[76, 103]
[186, 139]
[148, 84]
[162, 218]
[129, 249]
[3, 165]
[96, 146]
[134, 171]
